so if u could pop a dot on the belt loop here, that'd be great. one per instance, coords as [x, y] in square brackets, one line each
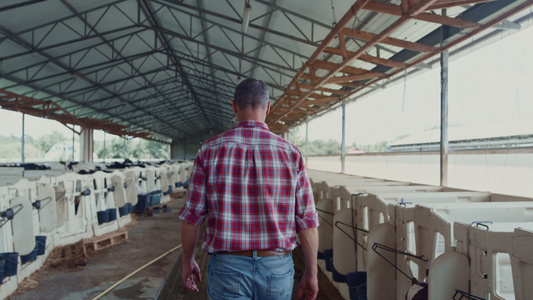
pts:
[254, 255]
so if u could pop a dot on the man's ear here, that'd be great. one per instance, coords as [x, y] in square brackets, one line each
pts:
[234, 105]
[268, 108]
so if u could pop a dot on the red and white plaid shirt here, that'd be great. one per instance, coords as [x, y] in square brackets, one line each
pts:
[254, 186]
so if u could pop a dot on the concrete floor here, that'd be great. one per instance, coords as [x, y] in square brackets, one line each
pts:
[148, 238]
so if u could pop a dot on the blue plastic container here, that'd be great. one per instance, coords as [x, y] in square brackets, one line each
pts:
[103, 216]
[11, 262]
[2, 263]
[320, 255]
[123, 211]
[337, 277]
[169, 191]
[361, 292]
[142, 202]
[328, 257]
[112, 214]
[40, 240]
[32, 256]
[354, 280]
[155, 197]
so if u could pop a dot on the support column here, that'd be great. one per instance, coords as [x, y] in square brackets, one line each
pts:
[105, 151]
[22, 140]
[343, 143]
[184, 149]
[73, 146]
[124, 149]
[444, 147]
[87, 145]
[307, 140]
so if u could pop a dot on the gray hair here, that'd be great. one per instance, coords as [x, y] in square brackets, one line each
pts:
[252, 93]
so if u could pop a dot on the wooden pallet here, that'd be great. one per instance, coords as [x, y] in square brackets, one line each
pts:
[106, 241]
[150, 209]
[70, 254]
[178, 193]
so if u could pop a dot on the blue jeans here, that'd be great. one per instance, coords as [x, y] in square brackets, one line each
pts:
[242, 277]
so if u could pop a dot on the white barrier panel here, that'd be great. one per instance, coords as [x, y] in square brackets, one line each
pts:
[140, 174]
[151, 179]
[344, 244]
[22, 195]
[183, 173]
[522, 262]
[325, 213]
[102, 203]
[381, 275]
[449, 274]
[75, 209]
[130, 184]
[117, 185]
[6, 241]
[491, 251]
[47, 202]
[173, 175]
[322, 190]
[165, 187]
[373, 209]
[428, 227]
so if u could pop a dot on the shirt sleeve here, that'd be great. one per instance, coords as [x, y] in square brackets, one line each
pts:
[195, 209]
[306, 214]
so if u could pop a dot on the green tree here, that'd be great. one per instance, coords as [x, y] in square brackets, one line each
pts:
[157, 150]
[46, 141]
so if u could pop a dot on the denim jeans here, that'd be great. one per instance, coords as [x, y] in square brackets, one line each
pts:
[242, 277]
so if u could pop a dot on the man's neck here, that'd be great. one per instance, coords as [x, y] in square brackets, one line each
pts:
[251, 115]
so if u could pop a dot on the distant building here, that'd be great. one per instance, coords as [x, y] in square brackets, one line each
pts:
[354, 150]
[509, 134]
[62, 152]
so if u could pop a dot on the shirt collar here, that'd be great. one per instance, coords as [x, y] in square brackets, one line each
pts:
[251, 123]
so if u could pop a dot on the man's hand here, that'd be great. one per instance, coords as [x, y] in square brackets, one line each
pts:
[189, 237]
[308, 286]
[190, 272]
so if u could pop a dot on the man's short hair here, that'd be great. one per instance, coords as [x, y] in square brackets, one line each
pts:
[251, 93]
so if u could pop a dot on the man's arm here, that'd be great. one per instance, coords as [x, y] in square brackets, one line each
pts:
[309, 282]
[189, 237]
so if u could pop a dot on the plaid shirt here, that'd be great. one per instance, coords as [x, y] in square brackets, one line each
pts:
[255, 187]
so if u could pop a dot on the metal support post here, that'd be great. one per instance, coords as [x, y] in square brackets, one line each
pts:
[444, 147]
[307, 140]
[343, 144]
[22, 140]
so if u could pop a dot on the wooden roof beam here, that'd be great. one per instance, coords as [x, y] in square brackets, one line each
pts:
[323, 89]
[326, 65]
[451, 3]
[413, 10]
[354, 9]
[368, 75]
[369, 58]
[367, 36]
[352, 85]
[427, 17]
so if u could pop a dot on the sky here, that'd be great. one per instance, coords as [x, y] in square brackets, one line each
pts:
[488, 85]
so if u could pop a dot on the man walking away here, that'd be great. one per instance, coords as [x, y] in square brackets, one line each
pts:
[255, 188]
